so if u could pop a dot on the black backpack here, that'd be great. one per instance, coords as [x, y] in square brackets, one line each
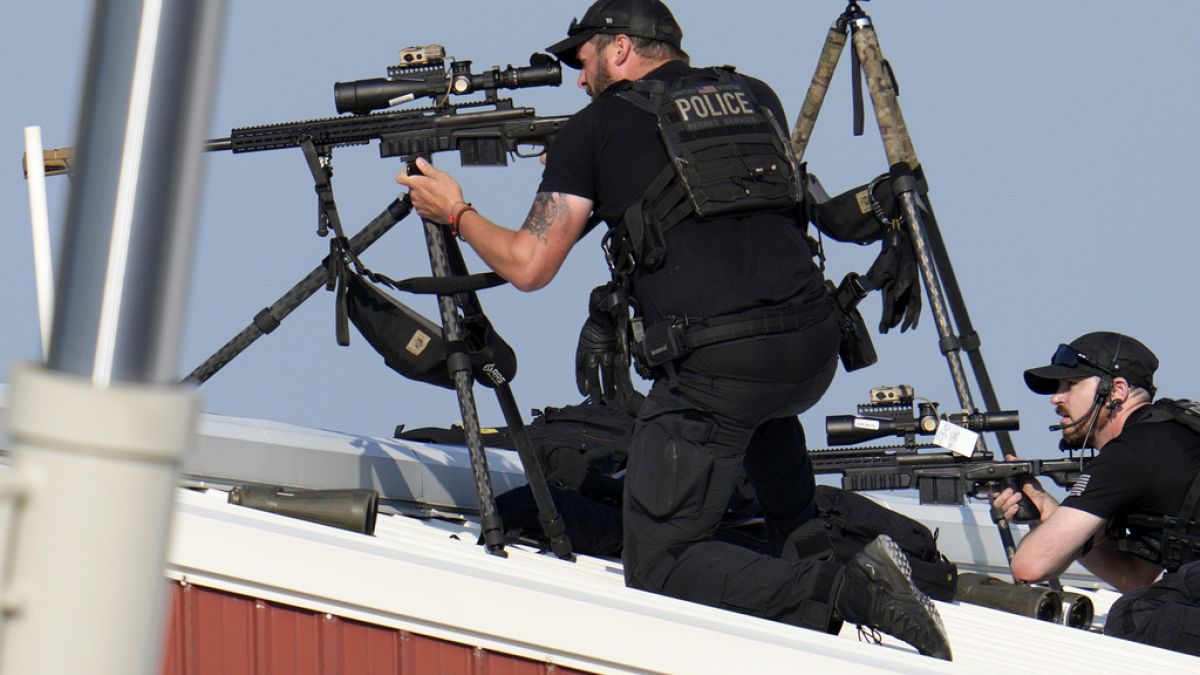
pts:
[580, 447]
[584, 448]
[849, 521]
[593, 526]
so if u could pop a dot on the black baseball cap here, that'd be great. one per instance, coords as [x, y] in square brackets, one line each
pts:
[1101, 353]
[636, 18]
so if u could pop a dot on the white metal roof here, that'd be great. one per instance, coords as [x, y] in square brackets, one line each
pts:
[430, 577]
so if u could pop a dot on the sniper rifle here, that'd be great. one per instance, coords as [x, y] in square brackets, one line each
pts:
[944, 477]
[483, 132]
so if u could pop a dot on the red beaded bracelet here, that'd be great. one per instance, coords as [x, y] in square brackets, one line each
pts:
[456, 218]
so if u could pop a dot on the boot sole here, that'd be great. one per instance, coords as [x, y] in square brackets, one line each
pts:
[883, 549]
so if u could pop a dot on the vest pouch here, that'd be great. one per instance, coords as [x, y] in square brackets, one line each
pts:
[743, 170]
[737, 174]
[662, 343]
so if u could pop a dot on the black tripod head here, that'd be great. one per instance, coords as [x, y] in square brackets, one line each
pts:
[853, 11]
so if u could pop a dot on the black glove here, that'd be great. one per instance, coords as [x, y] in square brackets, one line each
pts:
[894, 275]
[602, 357]
[597, 357]
[594, 357]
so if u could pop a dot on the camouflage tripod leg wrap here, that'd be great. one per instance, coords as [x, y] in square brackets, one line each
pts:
[835, 41]
[896, 142]
[899, 149]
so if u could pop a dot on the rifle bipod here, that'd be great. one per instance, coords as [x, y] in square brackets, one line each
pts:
[941, 286]
[269, 318]
[454, 290]
[445, 261]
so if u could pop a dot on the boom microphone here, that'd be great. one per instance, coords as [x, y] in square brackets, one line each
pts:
[1102, 391]
[1070, 425]
[1060, 427]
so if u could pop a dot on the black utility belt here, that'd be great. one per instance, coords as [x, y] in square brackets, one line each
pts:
[666, 341]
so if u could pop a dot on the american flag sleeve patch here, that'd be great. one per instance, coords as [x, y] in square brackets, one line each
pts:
[1080, 485]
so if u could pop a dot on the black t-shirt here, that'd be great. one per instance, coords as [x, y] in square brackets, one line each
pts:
[610, 151]
[1147, 469]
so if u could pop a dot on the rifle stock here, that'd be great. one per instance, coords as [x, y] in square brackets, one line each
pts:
[939, 477]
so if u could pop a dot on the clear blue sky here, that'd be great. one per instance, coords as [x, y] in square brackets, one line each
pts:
[1058, 139]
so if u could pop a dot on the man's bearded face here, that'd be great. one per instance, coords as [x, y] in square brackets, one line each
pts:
[595, 76]
[1074, 399]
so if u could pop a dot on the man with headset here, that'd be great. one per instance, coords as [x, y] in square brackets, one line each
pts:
[1102, 387]
[692, 173]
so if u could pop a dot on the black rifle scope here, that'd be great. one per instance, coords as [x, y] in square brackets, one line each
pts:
[874, 422]
[426, 76]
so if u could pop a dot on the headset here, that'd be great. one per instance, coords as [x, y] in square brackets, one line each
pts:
[1068, 356]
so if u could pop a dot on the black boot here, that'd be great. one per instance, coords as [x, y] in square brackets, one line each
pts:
[876, 590]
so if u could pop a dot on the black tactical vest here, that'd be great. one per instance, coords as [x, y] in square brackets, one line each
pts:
[1174, 540]
[728, 155]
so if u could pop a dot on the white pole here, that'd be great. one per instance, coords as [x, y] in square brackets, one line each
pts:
[43, 263]
[100, 431]
[94, 472]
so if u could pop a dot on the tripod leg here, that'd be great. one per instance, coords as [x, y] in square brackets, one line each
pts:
[835, 41]
[896, 142]
[968, 338]
[905, 187]
[899, 148]
[459, 365]
[552, 523]
[903, 159]
[269, 318]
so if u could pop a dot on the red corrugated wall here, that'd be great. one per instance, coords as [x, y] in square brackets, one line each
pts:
[211, 632]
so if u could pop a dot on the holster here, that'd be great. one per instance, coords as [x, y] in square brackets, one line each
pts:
[855, 347]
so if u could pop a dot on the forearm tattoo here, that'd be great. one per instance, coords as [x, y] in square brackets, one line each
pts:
[545, 210]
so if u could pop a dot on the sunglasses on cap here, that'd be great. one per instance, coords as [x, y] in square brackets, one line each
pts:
[1068, 356]
[576, 27]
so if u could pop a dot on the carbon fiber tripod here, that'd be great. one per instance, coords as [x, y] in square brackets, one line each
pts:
[942, 290]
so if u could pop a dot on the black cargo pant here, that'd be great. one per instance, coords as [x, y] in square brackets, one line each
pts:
[731, 408]
[1164, 614]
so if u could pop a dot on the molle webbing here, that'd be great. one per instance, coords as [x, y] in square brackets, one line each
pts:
[728, 155]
